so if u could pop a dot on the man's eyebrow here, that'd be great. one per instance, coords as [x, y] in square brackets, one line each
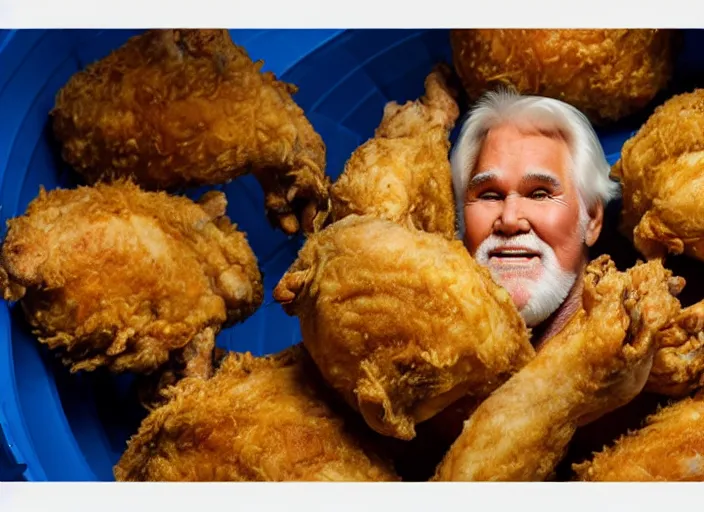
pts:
[543, 176]
[481, 178]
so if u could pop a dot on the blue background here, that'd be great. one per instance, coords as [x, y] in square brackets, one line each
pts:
[56, 426]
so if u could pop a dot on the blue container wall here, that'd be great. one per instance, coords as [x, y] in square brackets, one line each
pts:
[73, 427]
[68, 427]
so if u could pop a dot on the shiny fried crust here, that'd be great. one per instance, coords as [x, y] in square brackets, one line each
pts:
[401, 322]
[175, 108]
[115, 276]
[661, 170]
[597, 363]
[669, 448]
[257, 419]
[678, 367]
[403, 173]
[607, 74]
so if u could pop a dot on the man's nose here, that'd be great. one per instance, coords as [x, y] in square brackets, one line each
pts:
[511, 221]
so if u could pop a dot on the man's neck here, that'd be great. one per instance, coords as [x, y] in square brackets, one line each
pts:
[557, 321]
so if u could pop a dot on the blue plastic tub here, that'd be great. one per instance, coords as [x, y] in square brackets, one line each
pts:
[60, 427]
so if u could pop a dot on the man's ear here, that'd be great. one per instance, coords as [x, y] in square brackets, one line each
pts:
[596, 222]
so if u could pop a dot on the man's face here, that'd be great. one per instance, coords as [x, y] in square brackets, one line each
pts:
[522, 218]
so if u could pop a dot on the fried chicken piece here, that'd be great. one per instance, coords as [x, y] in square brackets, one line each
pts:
[119, 277]
[678, 366]
[401, 322]
[669, 448]
[257, 419]
[607, 74]
[174, 108]
[604, 431]
[597, 363]
[403, 173]
[199, 358]
[661, 170]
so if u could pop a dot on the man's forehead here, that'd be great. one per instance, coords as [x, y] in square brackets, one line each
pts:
[526, 129]
[518, 150]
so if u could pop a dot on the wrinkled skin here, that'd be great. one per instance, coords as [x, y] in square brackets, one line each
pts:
[257, 419]
[401, 322]
[175, 108]
[113, 276]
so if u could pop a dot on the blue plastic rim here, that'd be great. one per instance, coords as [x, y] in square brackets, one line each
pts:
[60, 427]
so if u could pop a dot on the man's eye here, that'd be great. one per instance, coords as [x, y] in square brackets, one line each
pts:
[540, 194]
[489, 196]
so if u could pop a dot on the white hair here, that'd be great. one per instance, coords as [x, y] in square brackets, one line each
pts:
[589, 166]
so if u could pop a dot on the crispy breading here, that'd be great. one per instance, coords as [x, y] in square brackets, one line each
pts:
[669, 448]
[174, 108]
[115, 276]
[678, 366]
[661, 170]
[597, 363]
[401, 322]
[403, 173]
[257, 419]
[607, 74]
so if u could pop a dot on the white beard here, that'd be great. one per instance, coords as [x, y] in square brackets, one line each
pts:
[547, 292]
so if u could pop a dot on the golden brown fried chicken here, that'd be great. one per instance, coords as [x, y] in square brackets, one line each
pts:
[661, 170]
[174, 108]
[604, 431]
[401, 322]
[669, 448]
[403, 173]
[607, 74]
[678, 366]
[115, 276]
[597, 363]
[257, 419]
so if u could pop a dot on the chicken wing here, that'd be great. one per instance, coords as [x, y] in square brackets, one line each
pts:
[669, 448]
[173, 108]
[678, 366]
[661, 170]
[115, 276]
[401, 322]
[403, 173]
[597, 363]
[257, 419]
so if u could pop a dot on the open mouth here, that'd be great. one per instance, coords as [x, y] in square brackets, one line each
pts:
[514, 253]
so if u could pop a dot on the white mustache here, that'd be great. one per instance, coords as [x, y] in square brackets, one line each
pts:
[529, 241]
